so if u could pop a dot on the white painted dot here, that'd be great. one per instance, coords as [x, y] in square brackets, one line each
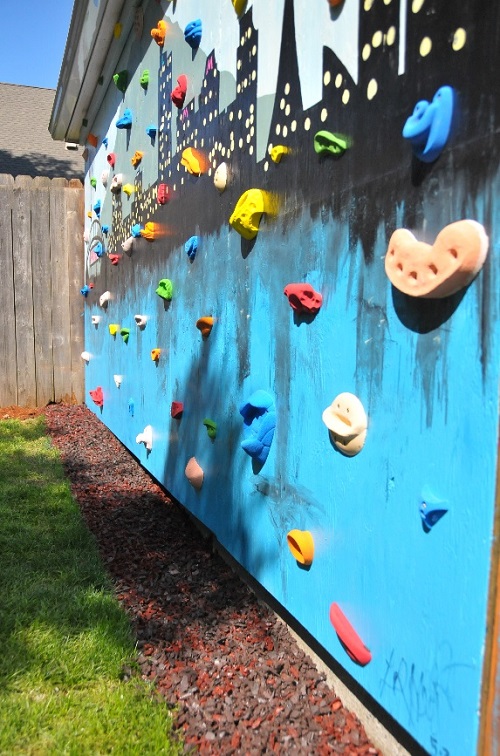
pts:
[377, 39]
[204, 82]
[278, 128]
[252, 108]
[324, 115]
[327, 78]
[254, 50]
[247, 123]
[249, 138]
[231, 116]
[238, 89]
[387, 2]
[459, 39]
[372, 89]
[215, 113]
[214, 163]
[425, 46]
[239, 115]
[223, 152]
[416, 5]
[249, 32]
[346, 96]
[282, 103]
[250, 149]
[245, 83]
[238, 65]
[368, 4]
[266, 165]
[285, 131]
[240, 143]
[365, 54]
[254, 75]
[252, 119]
[293, 125]
[242, 41]
[287, 89]
[390, 37]
[338, 80]
[287, 110]
[204, 123]
[252, 130]
[307, 124]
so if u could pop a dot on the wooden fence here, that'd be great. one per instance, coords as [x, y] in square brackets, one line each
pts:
[41, 273]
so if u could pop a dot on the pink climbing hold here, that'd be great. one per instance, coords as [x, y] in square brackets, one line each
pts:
[179, 93]
[162, 194]
[111, 158]
[115, 259]
[97, 396]
[176, 409]
[303, 298]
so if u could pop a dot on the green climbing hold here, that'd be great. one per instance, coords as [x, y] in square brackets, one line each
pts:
[145, 78]
[93, 182]
[326, 143]
[125, 333]
[121, 80]
[165, 289]
[211, 427]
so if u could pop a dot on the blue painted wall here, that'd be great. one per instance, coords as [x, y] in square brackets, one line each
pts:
[426, 371]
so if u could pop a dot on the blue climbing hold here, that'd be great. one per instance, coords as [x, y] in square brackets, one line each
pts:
[98, 249]
[97, 208]
[431, 509]
[85, 290]
[136, 230]
[259, 422]
[125, 122]
[105, 230]
[151, 131]
[131, 407]
[428, 128]
[192, 33]
[191, 247]
[105, 142]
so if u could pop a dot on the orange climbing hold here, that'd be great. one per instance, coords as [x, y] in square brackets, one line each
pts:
[155, 354]
[205, 325]
[150, 231]
[301, 544]
[136, 159]
[158, 33]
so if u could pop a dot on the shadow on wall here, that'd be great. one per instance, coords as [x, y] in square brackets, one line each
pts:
[36, 164]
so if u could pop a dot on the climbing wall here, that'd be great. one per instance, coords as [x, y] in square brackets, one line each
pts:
[292, 315]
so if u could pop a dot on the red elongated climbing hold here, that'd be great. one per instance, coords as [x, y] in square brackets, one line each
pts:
[349, 638]
[111, 158]
[179, 93]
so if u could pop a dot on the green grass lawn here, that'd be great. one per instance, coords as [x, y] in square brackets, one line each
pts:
[63, 637]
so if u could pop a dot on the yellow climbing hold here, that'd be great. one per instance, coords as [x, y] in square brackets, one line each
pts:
[128, 189]
[191, 160]
[301, 544]
[239, 6]
[149, 231]
[117, 30]
[138, 155]
[89, 214]
[113, 328]
[278, 152]
[248, 212]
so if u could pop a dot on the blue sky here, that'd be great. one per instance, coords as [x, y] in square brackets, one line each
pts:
[33, 40]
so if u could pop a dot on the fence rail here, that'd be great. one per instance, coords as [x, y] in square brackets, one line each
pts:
[41, 270]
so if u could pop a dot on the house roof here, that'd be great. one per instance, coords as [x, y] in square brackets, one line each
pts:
[26, 146]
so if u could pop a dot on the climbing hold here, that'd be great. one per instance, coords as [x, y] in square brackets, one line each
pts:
[105, 229]
[105, 298]
[105, 142]
[248, 212]
[194, 473]
[89, 213]
[192, 33]
[86, 357]
[439, 270]
[137, 157]
[128, 189]
[113, 328]
[211, 427]
[220, 177]
[303, 298]
[192, 161]
[301, 544]
[179, 93]
[431, 509]
[136, 230]
[165, 289]
[191, 247]
[326, 143]
[346, 420]
[125, 122]
[98, 249]
[117, 30]
[205, 325]
[111, 158]
[335, 3]
[277, 153]
[121, 80]
[144, 80]
[95, 319]
[97, 396]
[92, 139]
[128, 244]
[259, 423]
[116, 182]
[239, 6]
[349, 638]
[97, 208]
[176, 409]
[158, 33]
[86, 289]
[93, 182]
[155, 354]
[162, 194]
[115, 259]
[151, 131]
[125, 333]
[428, 128]
[146, 437]
[104, 178]
[149, 231]
[118, 379]
[141, 321]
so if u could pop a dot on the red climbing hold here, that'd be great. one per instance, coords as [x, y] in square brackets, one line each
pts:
[176, 409]
[111, 158]
[162, 194]
[115, 259]
[97, 396]
[349, 637]
[303, 298]
[179, 94]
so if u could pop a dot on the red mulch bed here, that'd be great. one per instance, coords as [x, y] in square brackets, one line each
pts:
[241, 683]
